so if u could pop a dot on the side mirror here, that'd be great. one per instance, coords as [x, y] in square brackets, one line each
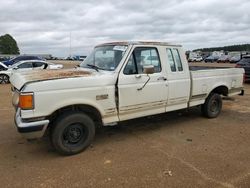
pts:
[149, 69]
[14, 68]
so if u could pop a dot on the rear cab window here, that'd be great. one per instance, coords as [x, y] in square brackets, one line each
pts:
[177, 59]
[174, 60]
[170, 59]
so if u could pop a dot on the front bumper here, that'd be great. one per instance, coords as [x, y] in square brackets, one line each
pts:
[30, 130]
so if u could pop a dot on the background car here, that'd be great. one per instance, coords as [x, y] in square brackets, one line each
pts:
[20, 58]
[3, 66]
[223, 59]
[28, 65]
[4, 58]
[211, 59]
[195, 59]
[235, 59]
[245, 63]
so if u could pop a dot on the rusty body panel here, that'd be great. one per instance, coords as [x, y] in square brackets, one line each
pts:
[43, 75]
[56, 74]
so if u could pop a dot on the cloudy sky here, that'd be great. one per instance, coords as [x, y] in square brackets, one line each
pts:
[44, 26]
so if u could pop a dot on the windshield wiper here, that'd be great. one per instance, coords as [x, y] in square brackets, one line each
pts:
[94, 67]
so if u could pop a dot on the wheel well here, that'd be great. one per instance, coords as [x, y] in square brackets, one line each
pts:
[4, 74]
[91, 111]
[222, 90]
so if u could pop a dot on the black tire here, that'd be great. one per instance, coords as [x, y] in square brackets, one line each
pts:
[4, 79]
[212, 106]
[72, 133]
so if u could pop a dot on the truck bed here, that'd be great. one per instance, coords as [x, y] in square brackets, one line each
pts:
[205, 79]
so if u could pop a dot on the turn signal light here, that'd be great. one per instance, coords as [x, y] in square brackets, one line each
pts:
[26, 101]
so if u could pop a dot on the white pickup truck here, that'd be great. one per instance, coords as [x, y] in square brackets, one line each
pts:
[116, 82]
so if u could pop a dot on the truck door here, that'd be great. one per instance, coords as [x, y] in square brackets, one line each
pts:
[178, 79]
[141, 94]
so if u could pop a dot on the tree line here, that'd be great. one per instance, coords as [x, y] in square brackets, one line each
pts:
[240, 47]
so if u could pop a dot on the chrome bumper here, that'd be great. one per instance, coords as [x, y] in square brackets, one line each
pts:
[30, 130]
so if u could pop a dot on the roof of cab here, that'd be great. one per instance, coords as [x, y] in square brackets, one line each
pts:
[140, 43]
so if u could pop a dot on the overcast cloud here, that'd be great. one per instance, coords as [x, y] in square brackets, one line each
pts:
[44, 26]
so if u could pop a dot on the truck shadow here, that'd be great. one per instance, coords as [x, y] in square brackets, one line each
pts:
[125, 132]
[128, 129]
[148, 124]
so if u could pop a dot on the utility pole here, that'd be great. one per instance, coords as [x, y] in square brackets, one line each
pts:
[70, 44]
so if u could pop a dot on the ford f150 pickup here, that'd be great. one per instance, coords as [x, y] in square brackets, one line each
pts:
[116, 82]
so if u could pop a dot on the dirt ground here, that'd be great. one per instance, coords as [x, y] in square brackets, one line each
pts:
[179, 149]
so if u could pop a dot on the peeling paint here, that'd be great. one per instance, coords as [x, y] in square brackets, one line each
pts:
[54, 74]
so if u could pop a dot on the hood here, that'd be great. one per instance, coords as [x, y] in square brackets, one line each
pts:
[3, 65]
[7, 62]
[19, 79]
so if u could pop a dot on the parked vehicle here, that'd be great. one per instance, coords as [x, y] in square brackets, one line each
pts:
[116, 82]
[235, 59]
[4, 58]
[211, 59]
[82, 57]
[22, 66]
[20, 58]
[223, 59]
[3, 67]
[195, 59]
[70, 58]
[3, 78]
[245, 63]
[79, 57]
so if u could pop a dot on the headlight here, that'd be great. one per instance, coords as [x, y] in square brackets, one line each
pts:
[26, 101]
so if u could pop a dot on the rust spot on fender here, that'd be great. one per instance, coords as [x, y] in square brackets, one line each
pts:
[65, 74]
[55, 74]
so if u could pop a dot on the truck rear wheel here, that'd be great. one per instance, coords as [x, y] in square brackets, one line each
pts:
[72, 133]
[212, 106]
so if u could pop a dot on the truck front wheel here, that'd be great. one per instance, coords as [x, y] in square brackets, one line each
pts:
[212, 106]
[72, 133]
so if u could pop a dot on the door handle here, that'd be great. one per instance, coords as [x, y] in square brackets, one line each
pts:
[162, 78]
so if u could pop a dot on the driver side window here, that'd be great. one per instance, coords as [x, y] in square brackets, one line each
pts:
[25, 65]
[142, 56]
[131, 66]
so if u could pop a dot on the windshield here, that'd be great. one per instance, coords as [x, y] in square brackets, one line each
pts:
[105, 57]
